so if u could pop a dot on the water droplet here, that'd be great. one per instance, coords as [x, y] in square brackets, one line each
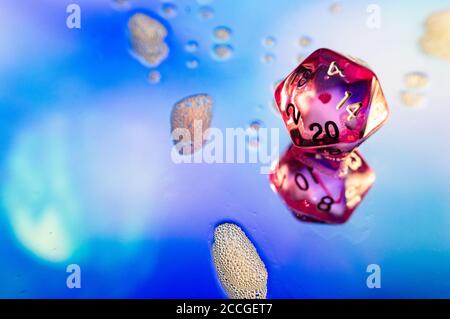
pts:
[169, 10]
[147, 40]
[416, 80]
[239, 267]
[304, 41]
[206, 12]
[335, 7]
[154, 77]
[222, 52]
[191, 46]
[412, 99]
[435, 40]
[187, 113]
[268, 58]
[222, 33]
[120, 5]
[269, 42]
[192, 63]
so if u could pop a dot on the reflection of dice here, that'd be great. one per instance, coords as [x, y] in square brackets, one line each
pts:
[331, 103]
[318, 191]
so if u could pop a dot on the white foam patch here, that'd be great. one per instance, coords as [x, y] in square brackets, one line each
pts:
[239, 267]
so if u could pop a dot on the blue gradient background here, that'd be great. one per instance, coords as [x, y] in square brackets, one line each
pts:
[86, 175]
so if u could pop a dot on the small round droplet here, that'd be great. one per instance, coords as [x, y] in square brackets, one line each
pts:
[412, 99]
[222, 52]
[268, 58]
[269, 42]
[416, 80]
[191, 46]
[192, 63]
[169, 9]
[222, 34]
[304, 41]
[154, 77]
[335, 8]
[206, 12]
[121, 5]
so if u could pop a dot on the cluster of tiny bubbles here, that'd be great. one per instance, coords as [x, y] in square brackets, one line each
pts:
[169, 10]
[154, 77]
[253, 135]
[268, 58]
[191, 46]
[205, 12]
[192, 63]
[147, 39]
[222, 34]
[436, 39]
[239, 267]
[222, 52]
[269, 42]
[414, 82]
[185, 113]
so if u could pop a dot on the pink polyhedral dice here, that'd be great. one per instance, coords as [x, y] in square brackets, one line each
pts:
[320, 190]
[331, 103]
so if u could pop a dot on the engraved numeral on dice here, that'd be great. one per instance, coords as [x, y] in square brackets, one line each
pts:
[352, 109]
[295, 113]
[302, 182]
[333, 69]
[328, 126]
[325, 204]
[341, 103]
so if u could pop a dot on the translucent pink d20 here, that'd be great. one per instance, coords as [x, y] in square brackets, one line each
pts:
[318, 192]
[331, 103]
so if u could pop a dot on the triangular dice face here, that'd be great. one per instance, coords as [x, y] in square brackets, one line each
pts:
[326, 104]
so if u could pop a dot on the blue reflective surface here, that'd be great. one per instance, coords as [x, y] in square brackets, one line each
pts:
[86, 175]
